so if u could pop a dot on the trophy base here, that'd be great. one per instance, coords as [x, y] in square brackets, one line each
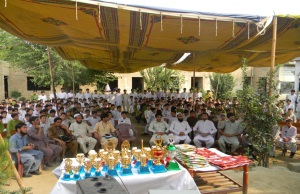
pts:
[173, 166]
[93, 169]
[76, 177]
[112, 172]
[137, 164]
[144, 170]
[66, 177]
[87, 175]
[126, 172]
[81, 170]
[104, 168]
[150, 163]
[159, 168]
[118, 166]
[98, 173]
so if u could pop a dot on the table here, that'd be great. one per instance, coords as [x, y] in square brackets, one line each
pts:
[211, 174]
[136, 184]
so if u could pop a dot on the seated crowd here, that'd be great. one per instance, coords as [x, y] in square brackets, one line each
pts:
[45, 129]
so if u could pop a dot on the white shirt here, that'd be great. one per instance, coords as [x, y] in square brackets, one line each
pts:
[87, 95]
[42, 97]
[93, 121]
[206, 126]
[122, 120]
[62, 95]
[70, 95]
[79, 95]
[177, 127]
[80, 129]
[96, 96]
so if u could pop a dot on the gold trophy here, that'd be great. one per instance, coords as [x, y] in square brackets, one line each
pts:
[87, 167]
[158, 153]
[75, 170]
[125, 146]
[143, 168]
[110, 146]
[92, 156]
[98, 166]
[112, 161]
[68, 169]
[80, 159]
[126, 164]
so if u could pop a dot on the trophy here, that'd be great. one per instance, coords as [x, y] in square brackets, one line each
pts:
[137, 154]
[158, 153]
[143, 160]
[132, 151]
[80, 159]
[116, 154]
[75, 170]
[171, 153]
[92, 156]
[125, 146]
[68, 169]
[87, 168]
[98, 167]
[111, 165]
[126, 164]
[147, 151]
[104, 157]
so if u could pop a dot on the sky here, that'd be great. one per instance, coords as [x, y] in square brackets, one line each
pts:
[252, 7]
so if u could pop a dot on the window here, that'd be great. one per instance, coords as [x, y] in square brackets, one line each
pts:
[31, 86]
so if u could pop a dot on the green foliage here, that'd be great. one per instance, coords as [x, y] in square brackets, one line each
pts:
[23, 99]
[260, 115]
[222, 85]
[159, 77]
[5, 166]
[33, 60]
[15, 94]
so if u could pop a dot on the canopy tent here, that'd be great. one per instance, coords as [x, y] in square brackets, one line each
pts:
[128, 39]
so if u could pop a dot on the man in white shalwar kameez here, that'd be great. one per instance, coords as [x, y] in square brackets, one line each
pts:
[205, 131]
[181, 129]
[119, 98]
[288, 138]
[159, 128]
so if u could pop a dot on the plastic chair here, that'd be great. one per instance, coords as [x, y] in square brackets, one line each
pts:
[124, 134]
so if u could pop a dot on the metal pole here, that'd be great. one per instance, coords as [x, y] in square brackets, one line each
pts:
[194, 85]
[73, 79]
[273, 54]
[51, 75]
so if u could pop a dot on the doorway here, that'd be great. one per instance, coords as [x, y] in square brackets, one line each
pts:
[137, 83]
[198, 82]
[5, 87]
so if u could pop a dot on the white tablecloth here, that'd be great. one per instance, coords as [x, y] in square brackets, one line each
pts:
[137, 184]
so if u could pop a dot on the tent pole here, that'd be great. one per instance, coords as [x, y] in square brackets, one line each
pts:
[51, 75]
[273, 54]
[165, 85]
[194, 82]
[73, 80]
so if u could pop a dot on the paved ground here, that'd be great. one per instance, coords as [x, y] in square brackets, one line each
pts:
[273, 180]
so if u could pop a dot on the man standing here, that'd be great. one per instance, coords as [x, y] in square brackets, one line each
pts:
[36, 136]
[232, 130]
[181, 129]
[289, 133]
[158, 127]
[119, 98]
[82, 131]
[125, 98]
[42, 96]
[29, 157]
[205, 130]
[103, 131]
[62, 136]
[87, 94]
[62, 95]
[293, 98]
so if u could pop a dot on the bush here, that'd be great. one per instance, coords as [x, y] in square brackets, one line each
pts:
[15, 94]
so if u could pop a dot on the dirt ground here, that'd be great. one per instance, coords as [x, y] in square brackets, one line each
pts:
[273, 180]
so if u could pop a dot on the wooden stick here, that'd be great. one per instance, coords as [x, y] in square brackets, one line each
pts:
[273, 54]
[73, 80]
[194, 81]
[18, 178]
[51, 75]
[245, 179]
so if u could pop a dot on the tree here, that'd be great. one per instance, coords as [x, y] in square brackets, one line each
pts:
[159, 77]
[222, 85]
[33, 60]
[260, 115]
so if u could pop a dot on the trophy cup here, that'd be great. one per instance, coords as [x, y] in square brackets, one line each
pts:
[68, 169]
[132, 151]
[143, 160]
[116, 154]
[75, 170]
[98, 166]
[87, 168]
[80, 159]
[111, 165]
[126, 164]
[137, 154]
[104, 157]
[158, 154]
[92, 157]
[171, 153]
[147, 151]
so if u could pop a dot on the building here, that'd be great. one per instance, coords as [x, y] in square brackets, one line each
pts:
[15, 80]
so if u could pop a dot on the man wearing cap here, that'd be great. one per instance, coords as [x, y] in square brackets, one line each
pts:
[288, 137]
[181, 129]
[205, 129]
[232, 129]
[82, 131]
[159, 128]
